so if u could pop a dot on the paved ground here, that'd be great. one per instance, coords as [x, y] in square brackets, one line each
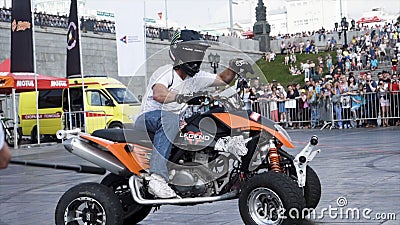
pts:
[359, 166]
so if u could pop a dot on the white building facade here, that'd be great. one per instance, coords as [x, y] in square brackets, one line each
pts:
[305, 15]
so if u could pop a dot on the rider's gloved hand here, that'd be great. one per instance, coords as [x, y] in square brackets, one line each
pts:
[190, 97]
[240, 66]
[182, 98]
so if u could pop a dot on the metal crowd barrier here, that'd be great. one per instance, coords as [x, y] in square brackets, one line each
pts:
[87, 121]
[375, 109]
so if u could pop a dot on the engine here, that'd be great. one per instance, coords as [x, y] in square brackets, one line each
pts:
[188, 183]
[196, 178]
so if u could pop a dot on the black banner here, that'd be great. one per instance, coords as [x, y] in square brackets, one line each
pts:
[21, 37]
[73, 52]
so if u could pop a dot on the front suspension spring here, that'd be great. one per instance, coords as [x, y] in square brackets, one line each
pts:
[274, 160]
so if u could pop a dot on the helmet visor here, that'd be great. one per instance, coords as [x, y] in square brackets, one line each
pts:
[192, 51]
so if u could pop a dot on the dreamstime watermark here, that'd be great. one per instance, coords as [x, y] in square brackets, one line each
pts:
[339, 211]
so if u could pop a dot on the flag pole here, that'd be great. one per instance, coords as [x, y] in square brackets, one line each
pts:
[34, 71]
[74, 65]
[81, 68]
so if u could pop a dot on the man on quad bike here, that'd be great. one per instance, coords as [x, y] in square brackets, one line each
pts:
[166, 93]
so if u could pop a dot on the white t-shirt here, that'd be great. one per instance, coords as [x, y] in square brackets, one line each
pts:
[166, 76]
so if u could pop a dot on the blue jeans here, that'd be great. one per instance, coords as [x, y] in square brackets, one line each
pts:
[338, 111]
[165, 126]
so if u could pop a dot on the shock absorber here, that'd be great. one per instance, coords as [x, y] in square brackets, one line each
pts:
[273, 156]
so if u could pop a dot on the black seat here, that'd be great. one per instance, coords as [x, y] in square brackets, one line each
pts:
[126, 135]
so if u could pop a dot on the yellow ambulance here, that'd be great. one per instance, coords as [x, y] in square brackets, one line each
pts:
[107, 104]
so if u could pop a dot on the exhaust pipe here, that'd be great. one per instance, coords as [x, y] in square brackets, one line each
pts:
[96, 156]
[135, 191]
[77, 168]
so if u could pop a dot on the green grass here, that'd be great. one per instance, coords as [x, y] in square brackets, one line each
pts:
[276, 70]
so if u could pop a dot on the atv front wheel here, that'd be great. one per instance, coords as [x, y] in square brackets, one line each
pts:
[89, 203]
[268, 199]
[133, 211]
[312, 189]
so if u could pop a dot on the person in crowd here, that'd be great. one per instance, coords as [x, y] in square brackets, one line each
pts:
[351, 83]
[322, 34]
[395, 99]
[345, 101]
[267, 56]
[272, 56]
[357, 101]
[301, 46]
[253, 97]
[338, 73]
[394, 62]
[246, 100]
[333, 44]
[386, 78]
[306, 69]
[324, 106]
[336, 93]
[312, 69]
[370, 86]
[256, 85]
[374, 63]
[263, 90]
[5, 154]
[308, 47]
[273, 104]
[291, 105]
[303, 109]
[347, 66]
[383, 94]
[293, 58]
[286, 60]
[292, 71]
[283, 47]
[281, 103]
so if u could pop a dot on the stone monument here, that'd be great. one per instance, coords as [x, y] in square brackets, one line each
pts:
[261, 28]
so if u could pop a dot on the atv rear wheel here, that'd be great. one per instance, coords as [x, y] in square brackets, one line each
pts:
[269, 197]
[133, 211]
[89, 203]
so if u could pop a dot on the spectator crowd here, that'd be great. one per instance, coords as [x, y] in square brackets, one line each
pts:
[358, 86]
[97, 26]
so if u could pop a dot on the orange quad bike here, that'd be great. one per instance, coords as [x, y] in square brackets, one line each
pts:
[221, 152]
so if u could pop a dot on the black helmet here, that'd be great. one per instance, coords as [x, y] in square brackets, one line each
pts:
[187, 50]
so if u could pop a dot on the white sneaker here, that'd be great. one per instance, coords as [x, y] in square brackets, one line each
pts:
[159, 187]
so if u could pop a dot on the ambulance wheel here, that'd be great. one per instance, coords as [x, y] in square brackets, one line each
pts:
[116, 125]
[34, 135]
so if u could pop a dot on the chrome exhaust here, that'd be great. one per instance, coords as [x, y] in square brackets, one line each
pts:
[134, 185]
[96, 156]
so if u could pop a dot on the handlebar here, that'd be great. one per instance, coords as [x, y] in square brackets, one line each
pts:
[61, 134]
[194, 98]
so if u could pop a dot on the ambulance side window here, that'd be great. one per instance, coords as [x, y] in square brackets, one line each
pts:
[97, 98]
[50, 99]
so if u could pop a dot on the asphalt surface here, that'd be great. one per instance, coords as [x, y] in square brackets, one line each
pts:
[359, 170]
